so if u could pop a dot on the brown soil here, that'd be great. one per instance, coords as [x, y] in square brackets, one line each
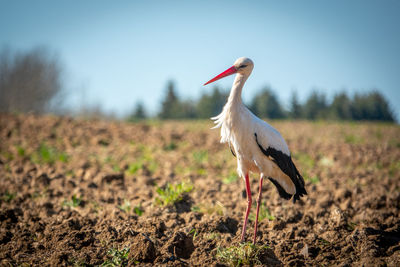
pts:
[350, 216]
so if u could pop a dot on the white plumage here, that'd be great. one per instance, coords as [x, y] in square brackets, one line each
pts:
[258, 146]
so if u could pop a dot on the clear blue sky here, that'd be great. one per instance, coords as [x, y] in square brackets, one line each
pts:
[119, 52]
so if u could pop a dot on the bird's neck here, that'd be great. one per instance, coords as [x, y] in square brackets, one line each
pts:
[235, 97]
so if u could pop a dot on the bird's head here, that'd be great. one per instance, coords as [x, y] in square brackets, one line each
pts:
[242, 65]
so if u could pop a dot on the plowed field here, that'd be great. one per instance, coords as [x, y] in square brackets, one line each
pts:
[81, 192]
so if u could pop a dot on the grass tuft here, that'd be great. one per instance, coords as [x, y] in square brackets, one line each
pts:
[49, 155]
[117, 257]
[73, 203]
[21, 151]
[304, 160]
[213, 236]
[126, 206]
[8, 197]
[170, 146]
[134, 167]
[172, 193]
[313, 179]
[138, 210]
[200, 156]
[394, 168]
[145, 160]
[263, 214]
[232, 177]
[353, 139]
[242, 254]
[194, 233]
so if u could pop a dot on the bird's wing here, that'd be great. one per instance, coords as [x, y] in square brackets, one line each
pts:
[274, 147]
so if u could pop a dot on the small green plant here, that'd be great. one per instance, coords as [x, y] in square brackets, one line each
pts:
[48, 154]
[353, 139]
[201, 171]
[7, 167]
[134, 167]
[194, 233]
[95, 206]
[40, 194]
[126, 206]
[394, 168]
[7, 155]
[73, 203]
[8, 197]
[138, 210]
[145, 160]
[171, 146]
[379, 165]
[213, 236]
[69, 173]
[312, 179]
[113, 163]
[378, 134]
[72, 261]
[151, 165]
[304, 160]
[200, 156]
[21, 151]
[232, 177]
[116, 168]
[195, 209]
[117, 257]
[394, 143]
[242, 254]
[264, 213]
[172, 193]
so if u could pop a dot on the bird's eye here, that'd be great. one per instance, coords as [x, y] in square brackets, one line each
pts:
[243, 66]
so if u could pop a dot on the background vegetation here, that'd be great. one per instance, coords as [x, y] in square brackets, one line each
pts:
[371, 106]
[32, 81]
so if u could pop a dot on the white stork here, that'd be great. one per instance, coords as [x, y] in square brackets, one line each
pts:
[258, 146]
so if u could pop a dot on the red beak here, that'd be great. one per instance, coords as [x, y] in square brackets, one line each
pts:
[230, 71]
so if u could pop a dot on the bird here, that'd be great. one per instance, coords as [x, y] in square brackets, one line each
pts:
[257, 146]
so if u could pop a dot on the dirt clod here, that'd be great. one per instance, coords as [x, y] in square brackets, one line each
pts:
[180, 245]
[142, 249]
[226, 225]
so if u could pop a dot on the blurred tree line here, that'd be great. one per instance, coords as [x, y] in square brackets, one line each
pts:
[370, 106]
[32, 81]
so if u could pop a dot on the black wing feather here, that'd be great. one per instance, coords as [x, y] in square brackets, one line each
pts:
[280, 189]
[230, 147]
[285, 163]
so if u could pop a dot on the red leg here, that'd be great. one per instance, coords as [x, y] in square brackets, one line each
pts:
[258, 208]
[248, 206]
